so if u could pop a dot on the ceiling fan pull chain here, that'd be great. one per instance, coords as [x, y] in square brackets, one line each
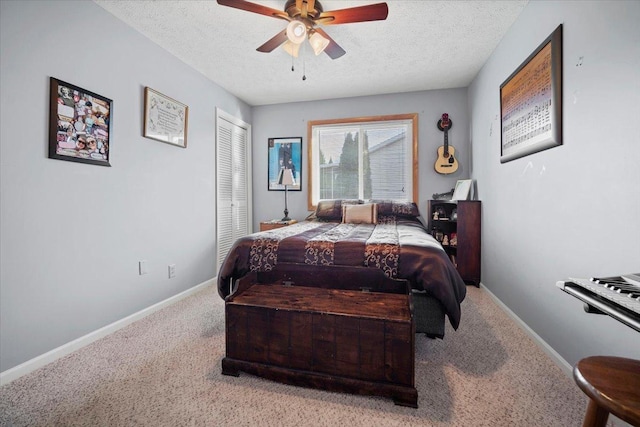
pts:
[304, 55]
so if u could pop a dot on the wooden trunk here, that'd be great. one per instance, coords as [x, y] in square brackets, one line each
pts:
[332, 339]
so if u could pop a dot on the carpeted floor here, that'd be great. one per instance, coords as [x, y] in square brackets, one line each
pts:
[164, 370]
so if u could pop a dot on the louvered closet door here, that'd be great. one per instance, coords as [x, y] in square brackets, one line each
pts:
[233, 183]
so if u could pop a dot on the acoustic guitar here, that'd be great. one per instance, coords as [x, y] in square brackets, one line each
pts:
[446, 162]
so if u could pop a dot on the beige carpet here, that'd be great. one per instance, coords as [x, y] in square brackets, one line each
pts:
[164, 370]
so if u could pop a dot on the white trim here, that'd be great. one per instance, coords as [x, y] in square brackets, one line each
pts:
[39, 361]
[554, 355]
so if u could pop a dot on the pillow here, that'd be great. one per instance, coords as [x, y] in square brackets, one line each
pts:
[331, 210]
[397, 208]
[408, 209]
[360, 214]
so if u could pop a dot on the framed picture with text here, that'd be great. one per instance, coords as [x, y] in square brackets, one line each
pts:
[79, 124]
[284, 153]
[165, 119]
[531, 102]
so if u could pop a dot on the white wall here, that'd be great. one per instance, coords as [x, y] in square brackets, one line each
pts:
[72, 234]
[572, 210]
[284, 120]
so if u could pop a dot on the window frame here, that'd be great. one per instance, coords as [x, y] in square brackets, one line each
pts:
[413, 117]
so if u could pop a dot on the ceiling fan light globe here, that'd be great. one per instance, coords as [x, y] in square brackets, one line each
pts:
[291, 48]
[318, 43]
[296, 31]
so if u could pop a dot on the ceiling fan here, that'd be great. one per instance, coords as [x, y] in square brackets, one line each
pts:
[305, 18]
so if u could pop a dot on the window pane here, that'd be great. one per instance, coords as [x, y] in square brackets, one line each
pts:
[338, 163]
[385, 168]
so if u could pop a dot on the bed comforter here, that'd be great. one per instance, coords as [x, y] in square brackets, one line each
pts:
[402, 249]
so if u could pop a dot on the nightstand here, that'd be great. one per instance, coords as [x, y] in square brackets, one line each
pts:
[275, 223]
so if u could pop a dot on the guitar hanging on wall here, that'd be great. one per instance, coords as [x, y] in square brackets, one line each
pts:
[446, 162]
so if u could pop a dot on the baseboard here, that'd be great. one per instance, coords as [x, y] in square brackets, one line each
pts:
[55, 354]
[554, 355]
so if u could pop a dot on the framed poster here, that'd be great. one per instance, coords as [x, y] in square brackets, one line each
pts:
[531, 102]
[462, 190]
[284, 153]
[79, 124]
[165, 119]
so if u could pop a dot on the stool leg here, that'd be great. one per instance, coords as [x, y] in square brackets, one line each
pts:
[595, 416]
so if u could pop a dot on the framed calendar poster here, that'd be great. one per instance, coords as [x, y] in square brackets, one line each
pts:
[531, 102]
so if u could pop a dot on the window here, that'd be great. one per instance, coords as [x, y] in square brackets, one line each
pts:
[363, 158]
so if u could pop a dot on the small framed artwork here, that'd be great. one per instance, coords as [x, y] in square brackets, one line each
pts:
[531, 102]
[165, 119]
[284, 153]
[462, 191]
[79, 124]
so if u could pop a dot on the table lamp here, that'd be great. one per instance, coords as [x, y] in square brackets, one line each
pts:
[285, 177]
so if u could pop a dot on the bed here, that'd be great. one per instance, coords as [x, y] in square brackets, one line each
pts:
[346, 243]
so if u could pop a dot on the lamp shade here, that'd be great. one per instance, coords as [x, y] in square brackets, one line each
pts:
[318, 43]
[296, 31]
[285, 177]
[291, 48]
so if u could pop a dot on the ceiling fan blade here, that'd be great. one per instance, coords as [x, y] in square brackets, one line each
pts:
[274, 42]
[255, 8]
[333, 49]
[372, 12]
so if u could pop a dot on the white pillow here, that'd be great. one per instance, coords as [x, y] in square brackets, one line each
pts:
[360, 214]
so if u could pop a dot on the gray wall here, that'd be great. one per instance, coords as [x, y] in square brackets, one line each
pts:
[285, 120]
[571, 210]
[72, 234]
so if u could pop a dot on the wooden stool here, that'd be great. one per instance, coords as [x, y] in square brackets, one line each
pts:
[613, 385]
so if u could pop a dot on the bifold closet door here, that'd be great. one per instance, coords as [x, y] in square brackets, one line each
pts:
[233, 177]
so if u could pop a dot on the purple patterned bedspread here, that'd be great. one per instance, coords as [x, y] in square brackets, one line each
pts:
[402, 249]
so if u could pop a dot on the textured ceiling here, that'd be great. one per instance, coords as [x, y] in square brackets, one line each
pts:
[422, 45]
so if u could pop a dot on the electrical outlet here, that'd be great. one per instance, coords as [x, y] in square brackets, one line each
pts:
[172, 271]
[142, 267]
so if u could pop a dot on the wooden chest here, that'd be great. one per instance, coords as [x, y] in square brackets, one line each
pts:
[333, 339]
